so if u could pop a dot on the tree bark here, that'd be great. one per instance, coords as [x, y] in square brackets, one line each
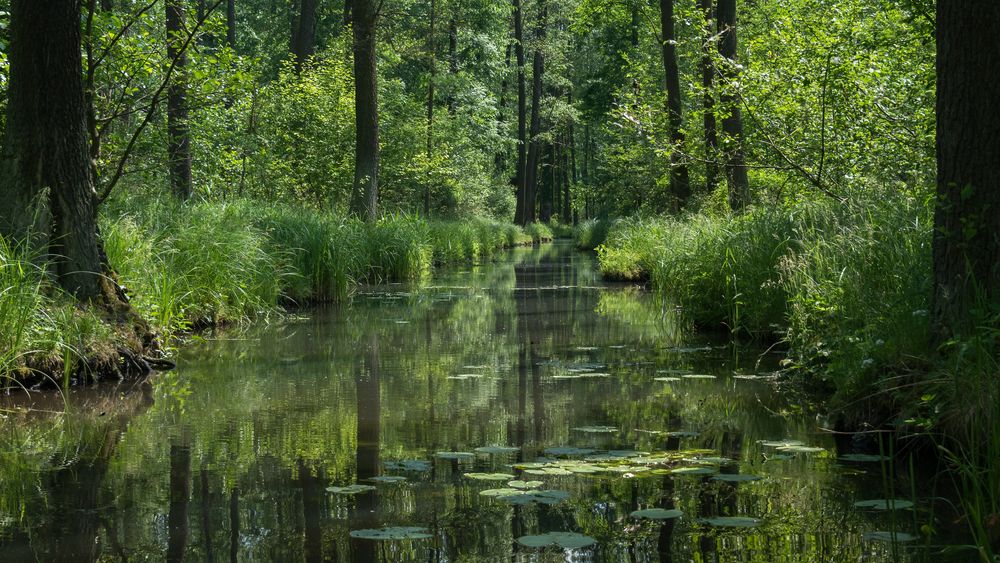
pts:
[499, 160]
[966, 245]
[231, 23]
[178, 137]
[366, 163]
[680, 184]
[534, 148]
[708, 99]
[452, 62]
[547, 184]
[732, 123]
[48, 201]
[432, 67]
[304, 35]
[520, 175]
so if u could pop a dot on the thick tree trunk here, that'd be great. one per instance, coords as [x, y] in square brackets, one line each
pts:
[366, 162]
[520, 174]
[547, 184]
[45, 173]
[432, 66]
[178, 137]
[732, 124]
[231, 23]
[304, 33]
[680, 184]
[537, 72]
[708, 99]
[566, 215]
[572, 167]
[967, 216]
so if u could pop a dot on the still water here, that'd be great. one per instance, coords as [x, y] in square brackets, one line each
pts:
[571, 403]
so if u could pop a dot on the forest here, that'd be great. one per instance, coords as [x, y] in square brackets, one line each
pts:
[297, 279]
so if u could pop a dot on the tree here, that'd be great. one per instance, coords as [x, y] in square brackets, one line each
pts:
[46, 179]
[680, 184]
[304, 33]
[178, 138]
[432, 68]
[534, 148]
[708, 98]
[231, 23]
[366, 160]
[966, 245]
[732, 122]
[520, 177]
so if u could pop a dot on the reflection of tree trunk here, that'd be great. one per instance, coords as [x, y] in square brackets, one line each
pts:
[369, 407]
[75, 494]
[665, 539]
[234, 525]
[312, 493]
[180, 496]
[206, 516]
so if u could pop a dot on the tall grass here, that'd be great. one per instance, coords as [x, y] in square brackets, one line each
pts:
[848, 287]
[590, 234]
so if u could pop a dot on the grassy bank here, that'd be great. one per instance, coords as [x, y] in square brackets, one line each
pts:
[204, 264]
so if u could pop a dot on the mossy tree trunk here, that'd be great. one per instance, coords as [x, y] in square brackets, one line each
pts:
[46, 179]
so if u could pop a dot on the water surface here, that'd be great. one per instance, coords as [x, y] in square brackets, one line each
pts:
[232, 456]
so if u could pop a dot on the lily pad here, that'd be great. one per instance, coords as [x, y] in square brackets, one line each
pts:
[736, 477]
[863, 458]
[666, 379]
[490, 476]
[656, 514]
[894, 537]
[454, 455]
[462, 376]
[564, 540]
[780, 443]
[506, 492]
[351, 489]
[551, 471]
[409, 465]
[596, 429]
[537, 496]
[568, 451]
[698, 376]
[732, 522]
[388, 479]
[884, 504]
[524, 485]
[392, 533]
[693, 471]
[497, 450]
[709, 459]
[586, 348]
[801, 449]
[682, 434]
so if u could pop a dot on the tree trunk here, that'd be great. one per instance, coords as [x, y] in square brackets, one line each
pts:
[45, 172]
[366, 162]
[537, 72]
[547, 184]
[180, 498]
[680, 185]
[304, 33]
[520, 174]
[732, 124]
[178, 137]
[231, 23]
[966, 244]
[499, 160]
[348, 13]
[452, 62]
[432, 66]
[564, 168]
[708, 100]
[572, 167]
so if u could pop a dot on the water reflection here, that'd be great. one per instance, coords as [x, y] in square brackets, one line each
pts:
[231, 456]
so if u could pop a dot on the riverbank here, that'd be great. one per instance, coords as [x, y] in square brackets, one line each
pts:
[190, 266]
[845, 288]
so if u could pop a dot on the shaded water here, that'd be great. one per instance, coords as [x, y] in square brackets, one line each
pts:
[230, 457]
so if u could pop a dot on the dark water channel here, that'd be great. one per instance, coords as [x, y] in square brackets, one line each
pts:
[249, 450]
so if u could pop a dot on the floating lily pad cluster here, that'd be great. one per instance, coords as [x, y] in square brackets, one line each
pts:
[354, 489]
[791, 446]
[408, 465]
[515, 495]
